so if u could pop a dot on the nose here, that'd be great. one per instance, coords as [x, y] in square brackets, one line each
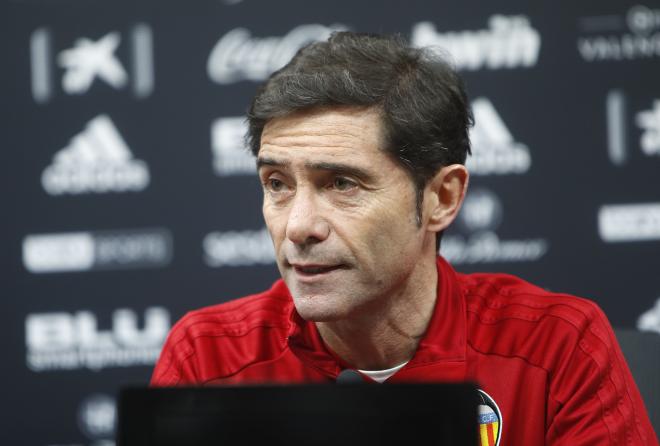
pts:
[306, 223]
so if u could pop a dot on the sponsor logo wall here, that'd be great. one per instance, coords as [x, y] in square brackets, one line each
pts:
[64, 341]
[239, 55]
[623, 35]
[508, 42]
[97, 416]
[478, 242]
[84, 251]
[230, 154]
[90, 60]
[97, 160]
[650, 320]
[134, 198]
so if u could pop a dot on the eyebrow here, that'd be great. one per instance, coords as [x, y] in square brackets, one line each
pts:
[341, 169]
[263, 161]
[332, 167]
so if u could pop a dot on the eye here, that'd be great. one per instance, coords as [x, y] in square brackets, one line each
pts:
[274, 185]
[343, 184]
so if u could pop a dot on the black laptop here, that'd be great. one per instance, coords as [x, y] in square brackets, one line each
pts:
[337, 415]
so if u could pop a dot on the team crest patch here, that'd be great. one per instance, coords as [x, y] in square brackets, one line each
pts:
[490, 420]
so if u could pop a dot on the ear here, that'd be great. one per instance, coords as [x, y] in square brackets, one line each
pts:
[443, 196]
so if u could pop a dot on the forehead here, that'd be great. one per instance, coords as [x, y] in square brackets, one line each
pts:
[345, 132]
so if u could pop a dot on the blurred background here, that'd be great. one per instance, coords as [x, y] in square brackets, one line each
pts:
[130, 198]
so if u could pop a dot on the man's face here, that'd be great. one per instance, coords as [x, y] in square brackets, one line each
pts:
[340, 211]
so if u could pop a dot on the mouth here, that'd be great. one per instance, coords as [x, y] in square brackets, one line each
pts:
[314, 270]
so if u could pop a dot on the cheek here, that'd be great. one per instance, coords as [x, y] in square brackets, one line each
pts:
[385, 228]
[275, 222]
[396, 214]
[395, 233]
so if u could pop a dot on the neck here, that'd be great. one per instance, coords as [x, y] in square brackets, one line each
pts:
[388, 334]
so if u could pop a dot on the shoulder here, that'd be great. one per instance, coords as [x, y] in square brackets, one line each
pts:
[527, 321]
[218, 340]
[589, 386]
[496, 297]
[238, 316]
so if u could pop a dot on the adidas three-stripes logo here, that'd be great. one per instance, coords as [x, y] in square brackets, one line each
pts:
[97, 160]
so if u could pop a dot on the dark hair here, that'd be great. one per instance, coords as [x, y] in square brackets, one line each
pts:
[422, 101]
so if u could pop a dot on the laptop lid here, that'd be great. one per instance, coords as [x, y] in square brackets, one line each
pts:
[350, 414]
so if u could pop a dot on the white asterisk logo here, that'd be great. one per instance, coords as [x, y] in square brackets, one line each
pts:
[89, 59]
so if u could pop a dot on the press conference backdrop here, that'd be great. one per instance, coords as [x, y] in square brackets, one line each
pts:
[130, 199]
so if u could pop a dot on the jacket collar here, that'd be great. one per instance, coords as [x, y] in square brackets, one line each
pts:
[443, 344]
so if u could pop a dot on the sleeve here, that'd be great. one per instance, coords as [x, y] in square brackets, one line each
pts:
[175, 366]
[593, 397]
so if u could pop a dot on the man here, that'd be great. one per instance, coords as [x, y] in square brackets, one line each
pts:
[360, 144]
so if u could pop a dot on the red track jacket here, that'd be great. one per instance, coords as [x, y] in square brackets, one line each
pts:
[549, 362]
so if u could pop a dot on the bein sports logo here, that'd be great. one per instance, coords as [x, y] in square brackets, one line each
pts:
[100, 250]
[509, 42]
[477, 242]
[65, 341]
[238, 56]
[617, 37]
[97, 160]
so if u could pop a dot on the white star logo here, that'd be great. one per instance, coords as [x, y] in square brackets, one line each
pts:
[89, 59]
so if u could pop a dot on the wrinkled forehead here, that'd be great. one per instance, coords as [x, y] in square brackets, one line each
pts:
[335, 127]
[341, 140]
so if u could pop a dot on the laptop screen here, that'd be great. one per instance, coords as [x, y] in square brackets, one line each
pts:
[350, 414]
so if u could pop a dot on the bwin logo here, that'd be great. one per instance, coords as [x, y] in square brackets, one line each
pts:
[509, 42]
[96, 161]
[494, 151]
[64, 341]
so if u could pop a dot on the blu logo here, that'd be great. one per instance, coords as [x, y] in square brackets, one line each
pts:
[65, 331]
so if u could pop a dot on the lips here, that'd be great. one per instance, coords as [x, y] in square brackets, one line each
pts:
[314, 270]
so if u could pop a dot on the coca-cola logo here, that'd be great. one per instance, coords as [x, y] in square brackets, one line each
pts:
[238, 56]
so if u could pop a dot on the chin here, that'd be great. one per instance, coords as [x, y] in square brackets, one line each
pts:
[317, 311]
